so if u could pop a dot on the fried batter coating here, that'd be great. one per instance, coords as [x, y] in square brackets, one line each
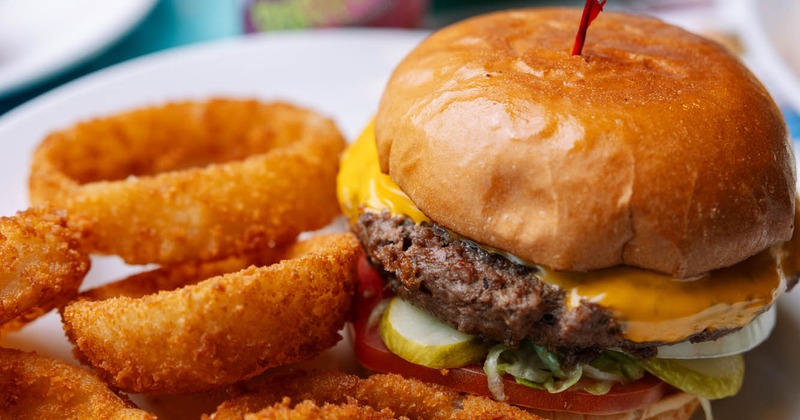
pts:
[402, 397]
[192, 180]
[180, 275]
[33, 386]
[224, 329]
[41, 265]
[308, 410]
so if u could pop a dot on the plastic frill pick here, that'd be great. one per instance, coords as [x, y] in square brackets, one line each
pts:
[590, 12]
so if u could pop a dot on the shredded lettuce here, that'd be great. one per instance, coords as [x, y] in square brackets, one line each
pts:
[562, 384]
[597, 388]
[550, 360]
[537, 367]
[592, 372]
[494, 371]
[618, 365]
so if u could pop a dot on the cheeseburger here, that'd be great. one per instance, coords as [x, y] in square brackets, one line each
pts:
[602, 234]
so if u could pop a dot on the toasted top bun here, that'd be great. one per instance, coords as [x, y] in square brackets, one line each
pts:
[656, 148]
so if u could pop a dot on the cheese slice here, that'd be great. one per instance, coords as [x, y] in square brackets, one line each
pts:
[361, 183]
[652, 307]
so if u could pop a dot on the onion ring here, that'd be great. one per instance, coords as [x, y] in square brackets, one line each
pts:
[311, 411]
[41, 265]
[224, 329]
[192, 180]
[403, 397]
[176, 276]
[40, 387]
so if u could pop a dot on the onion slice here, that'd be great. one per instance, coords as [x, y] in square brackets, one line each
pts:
[748, 337]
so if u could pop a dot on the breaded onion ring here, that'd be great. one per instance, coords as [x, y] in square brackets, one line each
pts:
[180, 275]
[386, 393]
[223, 329]
[308, 410]
[33, 386]
[192, 180]
[41, 265]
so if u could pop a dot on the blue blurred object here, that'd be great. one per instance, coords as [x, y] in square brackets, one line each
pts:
[171, 23]
[793, 120]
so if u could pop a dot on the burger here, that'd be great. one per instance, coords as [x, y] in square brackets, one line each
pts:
[600, 234]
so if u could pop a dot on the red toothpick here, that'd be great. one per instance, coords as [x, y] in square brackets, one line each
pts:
[590, 12]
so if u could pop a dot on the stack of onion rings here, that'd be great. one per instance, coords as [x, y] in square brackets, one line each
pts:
[216, 193]
[41, 265]
[224, 329]
[193, 180]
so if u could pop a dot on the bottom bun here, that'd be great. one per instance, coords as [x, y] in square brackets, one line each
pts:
[677, 406]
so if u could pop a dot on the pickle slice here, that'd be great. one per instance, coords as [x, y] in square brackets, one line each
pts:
[420, 338]
[715, 378]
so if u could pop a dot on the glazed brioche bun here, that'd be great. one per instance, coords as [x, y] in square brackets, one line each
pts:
[656, 148]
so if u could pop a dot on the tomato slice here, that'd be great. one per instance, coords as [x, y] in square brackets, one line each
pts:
[373, 355]
[370, 290]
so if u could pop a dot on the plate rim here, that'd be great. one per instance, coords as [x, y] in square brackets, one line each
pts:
[149, 61]
[88, 48]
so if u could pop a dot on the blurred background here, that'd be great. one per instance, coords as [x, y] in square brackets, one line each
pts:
[47, 43]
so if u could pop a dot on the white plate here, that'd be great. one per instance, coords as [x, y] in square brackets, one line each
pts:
[40, 38]
[340, 73]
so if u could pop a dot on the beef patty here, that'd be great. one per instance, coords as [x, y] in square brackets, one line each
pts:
[483, 293]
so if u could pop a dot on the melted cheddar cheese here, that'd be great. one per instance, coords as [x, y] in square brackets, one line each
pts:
[651, 306]
[361, 183]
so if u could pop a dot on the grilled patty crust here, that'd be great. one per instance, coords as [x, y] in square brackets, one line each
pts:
[478, 292]
[485, 294]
